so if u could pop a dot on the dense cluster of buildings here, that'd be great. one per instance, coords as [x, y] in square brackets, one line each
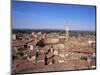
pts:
[42, 52]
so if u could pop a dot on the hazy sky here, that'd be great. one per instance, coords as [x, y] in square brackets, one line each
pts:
[32, 15]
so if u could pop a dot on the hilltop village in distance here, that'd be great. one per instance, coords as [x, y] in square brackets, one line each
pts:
[41, 51]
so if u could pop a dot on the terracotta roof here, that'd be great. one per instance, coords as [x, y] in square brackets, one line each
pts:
[21, 43]
[41, 56]
[24, 65]
[32, 53]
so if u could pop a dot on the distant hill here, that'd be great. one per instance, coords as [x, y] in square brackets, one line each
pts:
[71, 32]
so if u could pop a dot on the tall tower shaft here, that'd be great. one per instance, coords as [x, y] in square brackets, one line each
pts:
[67, 32]
[66, 36]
